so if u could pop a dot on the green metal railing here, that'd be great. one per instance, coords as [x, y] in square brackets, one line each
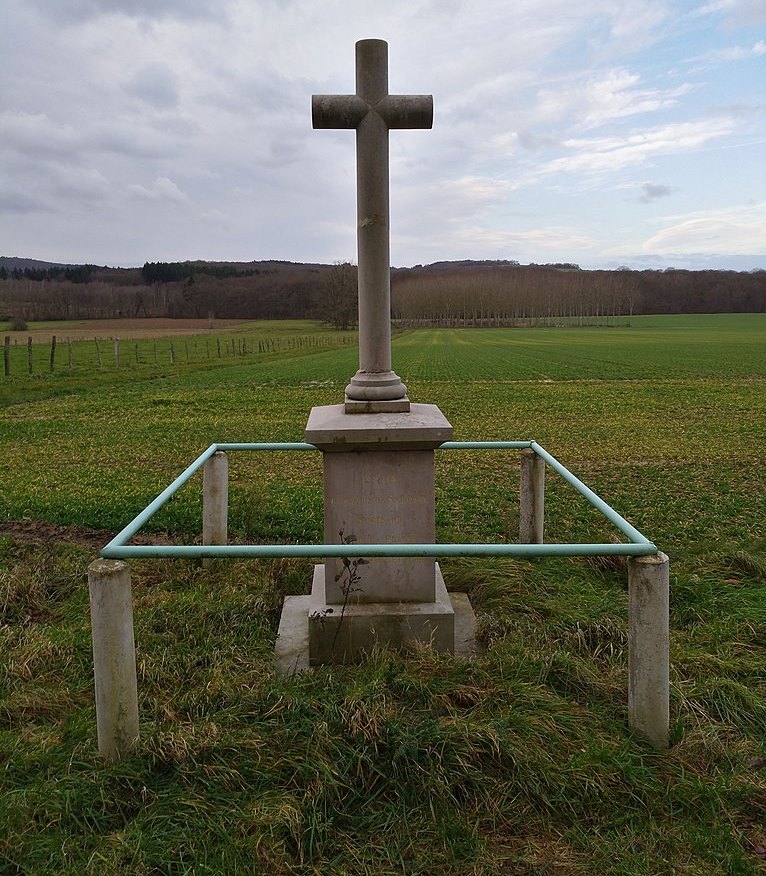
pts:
[638, 544]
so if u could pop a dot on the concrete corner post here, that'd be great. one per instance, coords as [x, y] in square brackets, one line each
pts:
[114, 657]
[648, 648]
[531, 498]
[215, 499]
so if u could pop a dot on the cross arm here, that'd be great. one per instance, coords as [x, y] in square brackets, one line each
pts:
[407, 110]
[337, 110]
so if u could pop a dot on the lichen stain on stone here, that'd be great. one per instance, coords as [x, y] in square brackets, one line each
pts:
[374, 219]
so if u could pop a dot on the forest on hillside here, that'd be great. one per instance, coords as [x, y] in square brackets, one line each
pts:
[445, 293]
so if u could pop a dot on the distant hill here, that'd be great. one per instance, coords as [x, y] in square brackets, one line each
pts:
[12, 263]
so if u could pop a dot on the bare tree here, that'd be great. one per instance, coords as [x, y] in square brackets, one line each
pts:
[338, 303]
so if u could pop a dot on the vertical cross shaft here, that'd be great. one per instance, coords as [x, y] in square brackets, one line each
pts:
[372, 111]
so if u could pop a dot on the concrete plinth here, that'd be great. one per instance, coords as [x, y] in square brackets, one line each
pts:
[332, 430]
[291, 649]
[338, 636]
[378, 489]
[380, 498]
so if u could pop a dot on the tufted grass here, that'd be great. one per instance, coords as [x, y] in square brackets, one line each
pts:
[519, 761]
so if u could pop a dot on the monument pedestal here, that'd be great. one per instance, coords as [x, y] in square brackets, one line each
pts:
[378, 489]
[378, 448]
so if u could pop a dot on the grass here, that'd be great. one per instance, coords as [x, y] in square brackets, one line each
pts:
[517, 762]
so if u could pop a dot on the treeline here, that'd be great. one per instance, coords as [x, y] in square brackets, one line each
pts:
[272, 291]
[170, 272]
[509, 294]
[459, 293]
[66, 273]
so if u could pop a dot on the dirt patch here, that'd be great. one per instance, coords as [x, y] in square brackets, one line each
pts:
[41, 531]
[129, 328]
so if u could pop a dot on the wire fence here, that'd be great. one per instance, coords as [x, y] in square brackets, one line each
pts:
[31, 356]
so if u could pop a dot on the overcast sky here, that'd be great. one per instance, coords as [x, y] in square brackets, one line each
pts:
[627, 132]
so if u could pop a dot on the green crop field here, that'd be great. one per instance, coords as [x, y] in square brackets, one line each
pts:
[519, 761]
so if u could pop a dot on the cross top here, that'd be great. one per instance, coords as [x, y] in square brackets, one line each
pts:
[372, 112]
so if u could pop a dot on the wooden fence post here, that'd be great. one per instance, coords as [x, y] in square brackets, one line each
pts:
[53, 351]
[7, 356]
[29, 354]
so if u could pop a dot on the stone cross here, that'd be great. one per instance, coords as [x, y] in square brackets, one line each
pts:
[372, 111]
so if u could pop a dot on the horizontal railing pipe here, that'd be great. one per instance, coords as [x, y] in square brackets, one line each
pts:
[267, 445]
[484, 445]
[378, 550]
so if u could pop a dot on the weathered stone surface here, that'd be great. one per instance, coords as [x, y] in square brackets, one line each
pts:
[291, 650]
[372, 111]
[648, 647]
[331, 429]
[380, 498]
[338, 637]
[114, 657]
[379, 489]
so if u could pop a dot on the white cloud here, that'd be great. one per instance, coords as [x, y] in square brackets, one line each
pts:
[34, 134]
[162, 189]
[740, 11]
[736, 230]
[535, 243]
[613, 95]
[73, 11]
[83, 184]
[730, 53]
[609, 154]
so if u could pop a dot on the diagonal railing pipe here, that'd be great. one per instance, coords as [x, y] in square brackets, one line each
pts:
[611, 515]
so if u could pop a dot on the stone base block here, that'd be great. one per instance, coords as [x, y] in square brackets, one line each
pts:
[344, 637]
[395, 406]
[291, 649]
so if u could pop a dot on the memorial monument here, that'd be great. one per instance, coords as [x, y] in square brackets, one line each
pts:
[377, 445]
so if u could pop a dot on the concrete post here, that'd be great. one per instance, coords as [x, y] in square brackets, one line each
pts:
[648, 648]
[215, 499]
[531, 498]
[114, 657]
